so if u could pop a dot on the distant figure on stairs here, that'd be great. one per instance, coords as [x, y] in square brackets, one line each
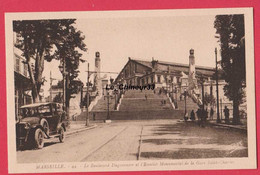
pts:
[145, 96]
[192, 115]
[211, 113]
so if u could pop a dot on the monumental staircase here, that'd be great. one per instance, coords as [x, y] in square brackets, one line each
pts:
[190, 104]
[145, 100]
[141, 105]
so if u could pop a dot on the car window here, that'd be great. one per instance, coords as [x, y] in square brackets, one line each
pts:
[59, 107]
[45, 110]
[28, 112]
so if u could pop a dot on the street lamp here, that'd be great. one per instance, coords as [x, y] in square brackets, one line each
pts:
[62, 68]
[218, 119]
[185, 95]
[87, 112]
[202, 92]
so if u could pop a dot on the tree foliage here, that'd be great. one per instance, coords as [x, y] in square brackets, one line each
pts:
[42, 40]
[231, 33]
[209, 99]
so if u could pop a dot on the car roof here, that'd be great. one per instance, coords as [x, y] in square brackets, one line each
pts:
[37, 104]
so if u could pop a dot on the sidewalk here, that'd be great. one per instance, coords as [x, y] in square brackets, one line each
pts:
[241, 127]
[79, 126]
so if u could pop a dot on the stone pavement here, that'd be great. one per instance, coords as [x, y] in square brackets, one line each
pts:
[140, 140]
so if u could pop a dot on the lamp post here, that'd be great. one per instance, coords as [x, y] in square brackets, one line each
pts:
[62, 68]
[51, 79]
[218, 119]
[202, 93]
[87, 112]
[185, 95]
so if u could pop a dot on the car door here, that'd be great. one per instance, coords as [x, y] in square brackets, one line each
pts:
[55, 116]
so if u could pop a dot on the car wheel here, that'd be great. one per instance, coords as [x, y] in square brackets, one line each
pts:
[62, 135]
[45, 126]
[39, 138]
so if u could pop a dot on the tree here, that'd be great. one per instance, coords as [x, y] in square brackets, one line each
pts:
[209, 99]
[73, 87]
[231, 34]
[42, 40]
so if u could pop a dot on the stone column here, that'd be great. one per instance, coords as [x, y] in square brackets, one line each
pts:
[192, 72]
[97, 80]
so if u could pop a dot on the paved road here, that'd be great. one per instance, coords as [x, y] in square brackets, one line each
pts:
[133, 140]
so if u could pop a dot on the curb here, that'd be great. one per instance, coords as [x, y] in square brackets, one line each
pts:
[228, 126]
[80, 130]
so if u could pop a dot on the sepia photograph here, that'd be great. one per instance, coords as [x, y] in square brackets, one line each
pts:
[130, 90]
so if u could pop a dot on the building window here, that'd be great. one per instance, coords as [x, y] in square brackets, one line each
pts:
[159, 78]
[151, 79]
[17, 64]
[25, 70]
[138, 81]
[178, 79]
[165, 79]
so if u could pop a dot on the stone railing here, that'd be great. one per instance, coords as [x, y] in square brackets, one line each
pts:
[171, 99]
[119, 99]
[195, 98]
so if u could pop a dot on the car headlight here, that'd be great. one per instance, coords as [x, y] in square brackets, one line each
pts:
[27, 126]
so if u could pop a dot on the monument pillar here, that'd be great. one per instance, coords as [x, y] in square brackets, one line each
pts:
[97, 80]
[192, 79]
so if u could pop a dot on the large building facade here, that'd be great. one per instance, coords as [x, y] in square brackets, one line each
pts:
[21, 81]
[163, 74]
[174, 77]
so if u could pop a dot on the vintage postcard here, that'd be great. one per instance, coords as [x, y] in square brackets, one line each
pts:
[130, 90]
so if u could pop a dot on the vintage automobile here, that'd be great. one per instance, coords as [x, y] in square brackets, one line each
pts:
[40, 121]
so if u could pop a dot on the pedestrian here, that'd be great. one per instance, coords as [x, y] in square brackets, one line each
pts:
[203, 117]
[211, 113]
[145, 96]
[226, 113]
[162, 102]
[206, 114]
[192, 115]
[181, 97]
[199, 116]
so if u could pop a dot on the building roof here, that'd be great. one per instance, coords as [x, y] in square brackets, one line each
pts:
[143, 62]
[163, 65]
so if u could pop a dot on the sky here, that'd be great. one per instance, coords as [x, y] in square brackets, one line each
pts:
[163, 38]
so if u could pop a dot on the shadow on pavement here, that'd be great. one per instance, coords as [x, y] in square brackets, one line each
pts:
[163, 141]
[186, 153]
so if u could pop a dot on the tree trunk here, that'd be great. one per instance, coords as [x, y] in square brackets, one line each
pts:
[35, 94]
[236, 118]
[39, 66]
[236, 87]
